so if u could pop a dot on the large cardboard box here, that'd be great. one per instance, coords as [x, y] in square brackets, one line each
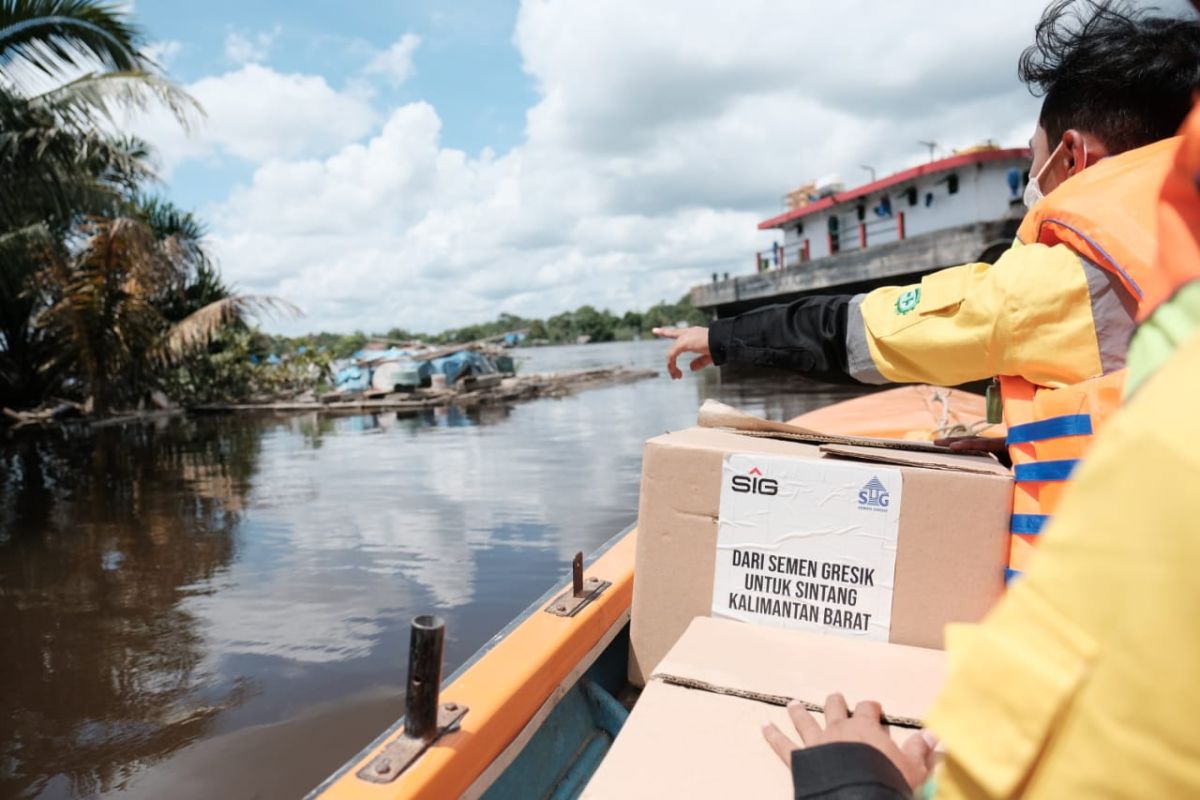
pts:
[868, 542]
[696, 729]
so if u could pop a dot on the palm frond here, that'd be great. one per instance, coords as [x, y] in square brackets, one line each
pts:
[59, 37]
[199, 328]
[168, 220]
[80, 101]
[36, 231]
[53, 172]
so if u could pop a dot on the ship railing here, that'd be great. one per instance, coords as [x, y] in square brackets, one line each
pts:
[858, 236]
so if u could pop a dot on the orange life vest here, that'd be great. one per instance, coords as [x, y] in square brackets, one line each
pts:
[1107, 214]
[1178, 222]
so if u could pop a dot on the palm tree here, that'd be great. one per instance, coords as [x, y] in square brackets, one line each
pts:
[98, 284]
[62, 62]
[136, 295]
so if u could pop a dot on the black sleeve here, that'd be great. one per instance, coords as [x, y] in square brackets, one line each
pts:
[807, 336]
[846, 771]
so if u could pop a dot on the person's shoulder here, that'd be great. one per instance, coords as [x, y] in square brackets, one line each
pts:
[1037, 256]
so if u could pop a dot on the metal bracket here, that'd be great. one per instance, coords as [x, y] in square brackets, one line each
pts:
[405, 749]
[582, 592]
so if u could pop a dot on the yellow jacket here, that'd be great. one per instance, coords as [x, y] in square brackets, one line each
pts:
[1085, 679]
[1040, 312]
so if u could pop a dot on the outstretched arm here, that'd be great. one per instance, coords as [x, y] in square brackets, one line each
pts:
[807, 336]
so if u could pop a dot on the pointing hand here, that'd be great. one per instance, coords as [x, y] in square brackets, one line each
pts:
[687, 340]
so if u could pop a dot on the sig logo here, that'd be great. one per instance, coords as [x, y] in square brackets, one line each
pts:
[873, 495]
[754, 483]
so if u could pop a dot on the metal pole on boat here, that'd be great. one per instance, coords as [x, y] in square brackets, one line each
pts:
[424, 719]
[424, 676]
[577, 575]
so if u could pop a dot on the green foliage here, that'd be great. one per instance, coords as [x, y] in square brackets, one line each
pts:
[332, 345]
[234, 368]
[585, 321]
[565, 328]
[503, 324]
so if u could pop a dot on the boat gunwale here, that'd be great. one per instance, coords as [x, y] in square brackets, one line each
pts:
[534, 607]
[351, 764]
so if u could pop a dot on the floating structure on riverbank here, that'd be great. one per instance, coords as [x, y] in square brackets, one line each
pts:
[474, 390]
[388, 366]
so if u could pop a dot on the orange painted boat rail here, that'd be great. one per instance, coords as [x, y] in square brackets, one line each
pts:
[505, 688]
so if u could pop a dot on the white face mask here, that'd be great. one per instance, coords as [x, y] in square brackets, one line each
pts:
[1055, 171]
[1033, 192]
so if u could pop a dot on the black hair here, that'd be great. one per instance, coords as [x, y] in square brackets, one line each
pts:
[1118, 73]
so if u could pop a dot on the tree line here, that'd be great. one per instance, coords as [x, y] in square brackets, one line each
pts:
[565, 328]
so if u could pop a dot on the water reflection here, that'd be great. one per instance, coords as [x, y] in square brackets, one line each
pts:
[193, 595]
[102, 539]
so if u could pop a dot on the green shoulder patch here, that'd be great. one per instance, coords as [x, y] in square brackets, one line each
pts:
[908, 301]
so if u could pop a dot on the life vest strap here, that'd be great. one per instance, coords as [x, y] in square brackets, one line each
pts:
[1010, 574]
[1029, 524]
[1040, 471]
[1051, 428]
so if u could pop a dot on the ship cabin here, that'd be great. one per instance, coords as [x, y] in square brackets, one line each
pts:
[952, 210]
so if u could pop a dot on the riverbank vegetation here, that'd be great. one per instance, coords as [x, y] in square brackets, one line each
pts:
[568, 327]
[104, 288]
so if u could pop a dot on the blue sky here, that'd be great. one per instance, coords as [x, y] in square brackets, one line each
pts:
[466, 66]
[428, 164]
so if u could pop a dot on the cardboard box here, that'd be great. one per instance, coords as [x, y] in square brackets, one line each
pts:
[881, 543]
[695, 730]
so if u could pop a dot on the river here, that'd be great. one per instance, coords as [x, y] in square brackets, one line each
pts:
[219, 606]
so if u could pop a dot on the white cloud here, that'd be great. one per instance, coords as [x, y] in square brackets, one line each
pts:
[258, 114]
[663, 133]
[241, 48]
[396, 62]
[163, 52]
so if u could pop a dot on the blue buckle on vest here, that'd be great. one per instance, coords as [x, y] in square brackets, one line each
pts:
[1028, 523]
[1036, 471]
[1052, 428]
[1010, 574]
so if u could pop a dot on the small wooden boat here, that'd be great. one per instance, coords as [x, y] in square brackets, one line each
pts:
[534, 712]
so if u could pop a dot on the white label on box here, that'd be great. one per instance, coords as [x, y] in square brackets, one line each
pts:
[807, 544]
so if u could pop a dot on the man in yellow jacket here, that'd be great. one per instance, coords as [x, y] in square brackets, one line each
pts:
[1052, 317]
[1085, 680]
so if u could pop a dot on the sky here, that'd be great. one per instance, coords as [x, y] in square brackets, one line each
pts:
[427, 165]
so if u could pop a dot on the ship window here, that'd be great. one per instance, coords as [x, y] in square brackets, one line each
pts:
[800, 226]
[912, 195]
[861, 211]
[952, 184]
